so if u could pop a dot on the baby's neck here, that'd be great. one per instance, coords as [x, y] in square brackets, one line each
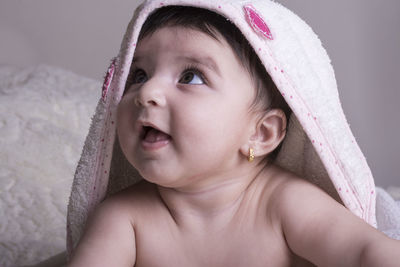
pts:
[209, 204]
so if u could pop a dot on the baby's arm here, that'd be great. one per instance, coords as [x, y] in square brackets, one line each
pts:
[109, 239]
[324, 232]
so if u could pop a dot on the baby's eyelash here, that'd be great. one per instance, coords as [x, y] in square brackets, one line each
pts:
[130, 74]
[195, 69]
[133, 75]
[132, 78]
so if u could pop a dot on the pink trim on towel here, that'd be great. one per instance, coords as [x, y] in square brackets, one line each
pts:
[107, 79]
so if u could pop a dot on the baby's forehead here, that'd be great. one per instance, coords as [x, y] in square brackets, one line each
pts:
[187, 41]
[202, 21]
[187, 33]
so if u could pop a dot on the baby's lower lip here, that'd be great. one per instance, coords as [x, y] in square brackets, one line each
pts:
[154, 139]
[146, 145]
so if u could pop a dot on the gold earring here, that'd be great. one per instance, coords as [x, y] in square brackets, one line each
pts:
[251, 155]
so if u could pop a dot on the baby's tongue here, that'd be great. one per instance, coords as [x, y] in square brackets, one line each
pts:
[154, 135]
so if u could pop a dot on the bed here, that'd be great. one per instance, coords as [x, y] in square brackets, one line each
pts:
[45, 112]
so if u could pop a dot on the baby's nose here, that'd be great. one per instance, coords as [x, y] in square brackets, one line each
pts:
[150, 94]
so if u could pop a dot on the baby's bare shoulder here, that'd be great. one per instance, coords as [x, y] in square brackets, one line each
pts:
[317, 227]
[110, 230]
[290, 197]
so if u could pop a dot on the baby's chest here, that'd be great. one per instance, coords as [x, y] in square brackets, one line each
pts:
[163, 247]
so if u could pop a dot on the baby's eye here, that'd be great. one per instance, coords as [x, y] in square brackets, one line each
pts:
[139, 76]
[191, 77]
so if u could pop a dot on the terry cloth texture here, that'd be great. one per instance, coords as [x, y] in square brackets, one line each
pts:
[319, 145]
[388, 213]
[44, 118]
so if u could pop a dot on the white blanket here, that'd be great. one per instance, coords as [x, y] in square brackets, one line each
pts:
[44, 117]
[388, 212]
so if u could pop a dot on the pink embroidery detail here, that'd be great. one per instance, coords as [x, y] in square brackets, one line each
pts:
[257, 22]
[219, 6]
[108, 79]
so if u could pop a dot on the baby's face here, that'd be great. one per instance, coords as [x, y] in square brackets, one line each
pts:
[186, 111]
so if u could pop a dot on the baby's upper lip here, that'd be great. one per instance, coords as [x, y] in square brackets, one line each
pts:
[146, 123]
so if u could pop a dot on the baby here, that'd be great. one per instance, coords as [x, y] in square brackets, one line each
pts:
[202, 122]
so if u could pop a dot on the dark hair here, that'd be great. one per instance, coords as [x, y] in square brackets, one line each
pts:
[267, 95]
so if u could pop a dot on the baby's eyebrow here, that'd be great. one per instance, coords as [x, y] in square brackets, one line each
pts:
[208, 62]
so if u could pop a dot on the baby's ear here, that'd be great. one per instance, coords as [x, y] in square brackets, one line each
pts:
[269, 132]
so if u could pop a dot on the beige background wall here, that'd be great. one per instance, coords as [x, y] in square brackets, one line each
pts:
[361, 36]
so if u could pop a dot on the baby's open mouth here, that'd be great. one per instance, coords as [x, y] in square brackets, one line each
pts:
[152, 135]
